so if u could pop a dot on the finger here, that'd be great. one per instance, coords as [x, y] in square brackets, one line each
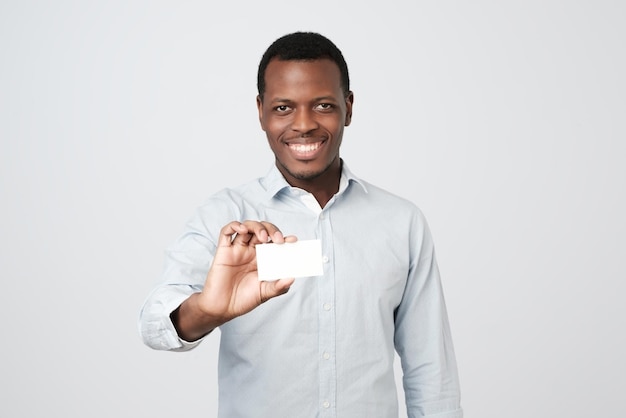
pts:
[230, 229]
[258, 232]
[275, 288]
[274, 233]
[283, 285]
[291, 238]
[263, 232]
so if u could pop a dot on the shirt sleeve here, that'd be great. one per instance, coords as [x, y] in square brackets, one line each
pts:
[156, 327]
[422, 336]
[187, 263]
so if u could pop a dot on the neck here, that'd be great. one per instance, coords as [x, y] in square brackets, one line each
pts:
[323, 194]
[323, 187]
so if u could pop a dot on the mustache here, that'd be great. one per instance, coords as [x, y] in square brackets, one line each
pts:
[305, 138]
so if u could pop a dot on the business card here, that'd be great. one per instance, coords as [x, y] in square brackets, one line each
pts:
[291, 259]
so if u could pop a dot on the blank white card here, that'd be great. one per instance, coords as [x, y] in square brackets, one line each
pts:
[291, 259]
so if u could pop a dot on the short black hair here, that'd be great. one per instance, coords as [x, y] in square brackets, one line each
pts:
[303, 46]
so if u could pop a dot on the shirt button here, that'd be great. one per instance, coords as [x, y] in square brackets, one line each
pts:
[325, 259]
[322, 216]
[326, 356]
[326, 404]
[327, 306]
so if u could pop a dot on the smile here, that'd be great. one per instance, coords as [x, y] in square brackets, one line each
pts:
[304, 148]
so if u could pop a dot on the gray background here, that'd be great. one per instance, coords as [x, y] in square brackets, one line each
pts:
[503, 121]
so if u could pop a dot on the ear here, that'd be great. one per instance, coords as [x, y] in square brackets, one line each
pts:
[259, 106]
[349, 103]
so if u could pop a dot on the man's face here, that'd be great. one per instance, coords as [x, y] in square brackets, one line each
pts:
[303, 113]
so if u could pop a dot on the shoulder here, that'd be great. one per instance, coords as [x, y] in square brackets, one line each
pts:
[377, 197]
[392, 213]
[230, 202]
[250, 190]
[381, 199]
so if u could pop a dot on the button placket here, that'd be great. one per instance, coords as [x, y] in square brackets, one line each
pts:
[327, 337]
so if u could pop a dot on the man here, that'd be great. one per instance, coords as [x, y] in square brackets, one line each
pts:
[319, 346]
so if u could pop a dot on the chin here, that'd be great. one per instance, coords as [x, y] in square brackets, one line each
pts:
[304, 173]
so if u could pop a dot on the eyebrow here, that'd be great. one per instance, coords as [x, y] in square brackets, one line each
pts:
[317, 99]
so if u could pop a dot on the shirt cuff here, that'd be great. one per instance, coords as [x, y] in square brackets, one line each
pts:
[458, 413]
[156, 327]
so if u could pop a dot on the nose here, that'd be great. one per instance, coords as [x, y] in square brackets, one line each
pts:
[304, 121]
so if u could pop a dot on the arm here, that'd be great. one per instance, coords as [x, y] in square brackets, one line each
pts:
[206, 285]
[423, 339]
[232, 287]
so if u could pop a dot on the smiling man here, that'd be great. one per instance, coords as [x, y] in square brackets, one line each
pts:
[320, 346]
[303, 109]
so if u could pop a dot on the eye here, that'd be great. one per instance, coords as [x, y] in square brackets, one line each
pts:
[325, 106]
[282, 108]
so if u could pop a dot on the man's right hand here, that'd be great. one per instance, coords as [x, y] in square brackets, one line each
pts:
[232, 287]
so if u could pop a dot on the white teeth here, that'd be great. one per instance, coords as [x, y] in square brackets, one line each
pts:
[304, 147]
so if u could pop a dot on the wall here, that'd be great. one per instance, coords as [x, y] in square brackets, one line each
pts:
[503, 121]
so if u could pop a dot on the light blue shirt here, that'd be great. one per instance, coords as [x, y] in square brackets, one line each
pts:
[326, 348]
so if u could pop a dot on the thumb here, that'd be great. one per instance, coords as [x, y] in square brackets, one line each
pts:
[275, 288]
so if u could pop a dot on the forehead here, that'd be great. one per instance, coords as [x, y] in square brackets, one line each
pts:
[283, 75]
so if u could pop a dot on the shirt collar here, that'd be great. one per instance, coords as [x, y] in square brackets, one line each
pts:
[274, 182]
